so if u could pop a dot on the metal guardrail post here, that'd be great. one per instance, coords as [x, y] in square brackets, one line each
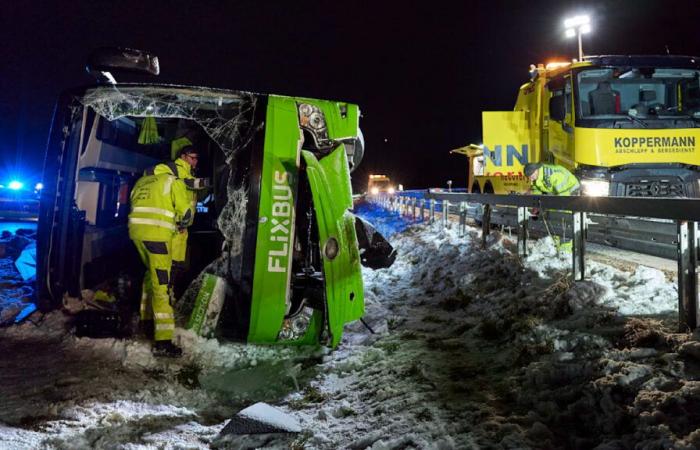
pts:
[578, 245]
[445, 212]
[432, 210]
[522, 231]
[422, 209]
[462, 218]
[485, 224]
[413, 207]
[688, 237]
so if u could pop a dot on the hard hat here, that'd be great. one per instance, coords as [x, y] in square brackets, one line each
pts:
[531, 168]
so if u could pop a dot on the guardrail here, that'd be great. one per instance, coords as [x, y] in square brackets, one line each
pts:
[685, 213]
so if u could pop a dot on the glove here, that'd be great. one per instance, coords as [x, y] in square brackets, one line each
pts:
[198, 183]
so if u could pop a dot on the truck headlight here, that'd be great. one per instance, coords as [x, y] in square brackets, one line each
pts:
[374, 191]
[595, 188]
[391, 190]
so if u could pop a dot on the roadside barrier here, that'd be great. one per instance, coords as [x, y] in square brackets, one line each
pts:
[681, 213]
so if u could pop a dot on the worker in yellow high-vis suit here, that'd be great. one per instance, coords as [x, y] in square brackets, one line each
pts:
[185, 161]
[552, 179]
[162, 207]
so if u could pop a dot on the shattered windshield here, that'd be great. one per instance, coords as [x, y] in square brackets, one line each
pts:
[225, 116]
[618, 97]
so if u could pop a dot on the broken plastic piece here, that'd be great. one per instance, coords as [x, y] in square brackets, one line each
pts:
[376, 252]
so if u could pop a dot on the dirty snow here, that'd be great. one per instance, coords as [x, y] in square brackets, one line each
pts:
[474, 349]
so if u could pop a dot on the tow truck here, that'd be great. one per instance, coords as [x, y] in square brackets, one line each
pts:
[379, 184]
[625, 125]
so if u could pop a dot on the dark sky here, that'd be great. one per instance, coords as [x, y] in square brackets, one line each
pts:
[421, 71]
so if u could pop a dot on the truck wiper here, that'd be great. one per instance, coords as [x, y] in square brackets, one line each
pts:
[637, 120]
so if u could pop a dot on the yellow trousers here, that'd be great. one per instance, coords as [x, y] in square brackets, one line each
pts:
[155, 295]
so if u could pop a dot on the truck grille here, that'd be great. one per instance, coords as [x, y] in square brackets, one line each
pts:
[655, 188]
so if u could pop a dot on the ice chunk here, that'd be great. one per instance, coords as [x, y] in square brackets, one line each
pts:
[261, 418]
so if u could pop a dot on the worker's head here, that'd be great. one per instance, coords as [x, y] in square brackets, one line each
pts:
[189, 154]
[532, 170]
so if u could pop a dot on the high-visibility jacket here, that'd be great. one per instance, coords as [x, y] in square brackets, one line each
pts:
[183, 171]
[161, 205]
[556, 180]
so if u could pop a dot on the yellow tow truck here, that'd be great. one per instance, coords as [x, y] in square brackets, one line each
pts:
[625, 125]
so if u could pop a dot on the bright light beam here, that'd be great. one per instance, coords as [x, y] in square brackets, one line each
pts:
[15, 185]
[575, 27]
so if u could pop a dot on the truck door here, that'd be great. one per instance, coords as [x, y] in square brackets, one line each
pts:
[561, 121]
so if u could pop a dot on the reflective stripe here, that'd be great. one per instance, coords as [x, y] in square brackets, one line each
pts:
[164, 316]
[154, 222]
[165, 326]
[562, 185]
[166, 186]
[148, 209]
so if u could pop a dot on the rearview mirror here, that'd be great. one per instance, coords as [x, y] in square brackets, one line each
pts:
[557, 109]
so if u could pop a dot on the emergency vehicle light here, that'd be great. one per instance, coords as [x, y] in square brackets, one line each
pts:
[15, 185]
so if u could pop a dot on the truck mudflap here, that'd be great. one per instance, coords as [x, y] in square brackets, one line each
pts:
[332, 197]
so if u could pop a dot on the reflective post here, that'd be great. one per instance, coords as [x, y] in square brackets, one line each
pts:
[687, 275]
[422, 209]
[578, 245]
[413, 208]
[522, 231]
[485, 224]
[432, 210]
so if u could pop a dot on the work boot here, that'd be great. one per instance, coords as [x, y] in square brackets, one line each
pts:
[146, 329]
[166, 349]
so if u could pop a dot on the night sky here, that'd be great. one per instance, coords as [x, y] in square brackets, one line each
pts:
[421, 72]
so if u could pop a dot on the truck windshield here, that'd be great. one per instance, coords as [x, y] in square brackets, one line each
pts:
[623, 97]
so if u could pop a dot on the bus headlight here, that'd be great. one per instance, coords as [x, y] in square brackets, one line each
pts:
[595, 188]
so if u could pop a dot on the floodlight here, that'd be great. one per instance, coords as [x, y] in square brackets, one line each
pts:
[577, 21]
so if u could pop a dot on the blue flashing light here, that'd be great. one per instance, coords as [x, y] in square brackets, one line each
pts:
[39, 186]
[15, 185]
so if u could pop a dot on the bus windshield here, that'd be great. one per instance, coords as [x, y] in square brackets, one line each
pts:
[617, 97]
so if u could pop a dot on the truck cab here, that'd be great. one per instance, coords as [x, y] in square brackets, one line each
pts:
[625, 125]
[380, 184]
[275, 223]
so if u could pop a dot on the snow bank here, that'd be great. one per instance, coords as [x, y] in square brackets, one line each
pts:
[473, 349]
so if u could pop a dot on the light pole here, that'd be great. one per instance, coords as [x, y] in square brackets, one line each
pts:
[575, 27]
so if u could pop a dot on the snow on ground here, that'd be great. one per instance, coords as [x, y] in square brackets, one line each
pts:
[473, 349]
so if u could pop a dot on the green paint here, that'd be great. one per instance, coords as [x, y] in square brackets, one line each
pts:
[278, 192]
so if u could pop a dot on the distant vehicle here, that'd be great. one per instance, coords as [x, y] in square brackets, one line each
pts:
[277, 228]
[625, 125]
[18, 202]
[379, 184]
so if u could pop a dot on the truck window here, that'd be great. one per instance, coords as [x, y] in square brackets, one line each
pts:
[608, 97]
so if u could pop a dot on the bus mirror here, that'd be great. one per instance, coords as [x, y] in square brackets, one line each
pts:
[107, 59]
[557, 110]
